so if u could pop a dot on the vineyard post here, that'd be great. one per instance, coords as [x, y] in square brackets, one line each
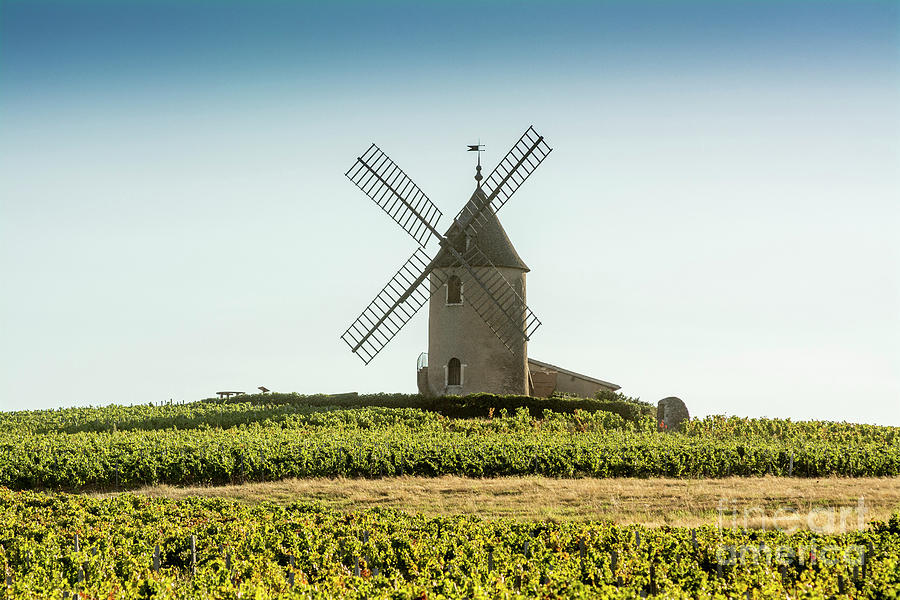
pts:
[291, 579]
[156, 558]
[865, 562]
[652, 578]
[490, 561]
[694, 540]
[356, 572]
[791, 465]
[841, 585]
[193, 555]
[613, 560]
[637, 539]
[77, 544]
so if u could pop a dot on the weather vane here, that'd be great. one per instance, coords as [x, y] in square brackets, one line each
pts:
[479, 148]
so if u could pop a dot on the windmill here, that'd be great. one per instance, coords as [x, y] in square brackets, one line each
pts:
[464, 260]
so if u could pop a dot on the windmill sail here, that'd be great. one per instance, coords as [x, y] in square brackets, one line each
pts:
[496, 301]
[393, 307]
[395, 193]
[487, 292]
[523, 158]
[492, 297]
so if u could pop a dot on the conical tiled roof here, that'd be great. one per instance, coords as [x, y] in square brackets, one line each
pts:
[491, 240]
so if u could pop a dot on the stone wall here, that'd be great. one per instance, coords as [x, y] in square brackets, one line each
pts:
[422, 381]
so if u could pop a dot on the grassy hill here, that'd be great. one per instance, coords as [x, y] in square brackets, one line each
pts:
[266, 437]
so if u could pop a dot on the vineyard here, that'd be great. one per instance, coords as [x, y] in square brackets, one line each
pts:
[224, 442]
[57, 545]
[129, 546]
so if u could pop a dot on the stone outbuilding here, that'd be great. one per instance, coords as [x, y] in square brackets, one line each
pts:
[547, 379]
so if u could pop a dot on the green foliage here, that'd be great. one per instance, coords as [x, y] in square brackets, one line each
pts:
[222, 442]
[718, 426]
[630, 409]
[256, 407]
[461, 407]
[258, 551]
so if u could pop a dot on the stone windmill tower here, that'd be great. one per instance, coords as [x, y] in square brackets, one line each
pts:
[465, 356]
[479, 324]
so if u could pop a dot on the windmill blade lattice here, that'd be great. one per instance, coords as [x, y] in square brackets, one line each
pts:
[395, 193]
[496, 301]
[488, 292]
[510, 173]
[393, 307]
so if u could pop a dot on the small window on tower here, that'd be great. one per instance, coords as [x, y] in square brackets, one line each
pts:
[454, 372]
[454, 290]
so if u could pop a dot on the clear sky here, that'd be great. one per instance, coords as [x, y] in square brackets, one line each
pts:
[719, 218]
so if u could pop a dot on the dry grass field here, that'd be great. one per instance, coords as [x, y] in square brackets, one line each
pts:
[827, 504]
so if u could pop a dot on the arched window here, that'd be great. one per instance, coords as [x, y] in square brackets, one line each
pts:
[454, 290]
[454, 372]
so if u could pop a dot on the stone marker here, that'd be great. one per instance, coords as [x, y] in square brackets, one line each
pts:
[670, 413]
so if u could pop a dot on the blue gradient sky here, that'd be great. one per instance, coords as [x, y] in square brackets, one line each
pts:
[718, 219]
